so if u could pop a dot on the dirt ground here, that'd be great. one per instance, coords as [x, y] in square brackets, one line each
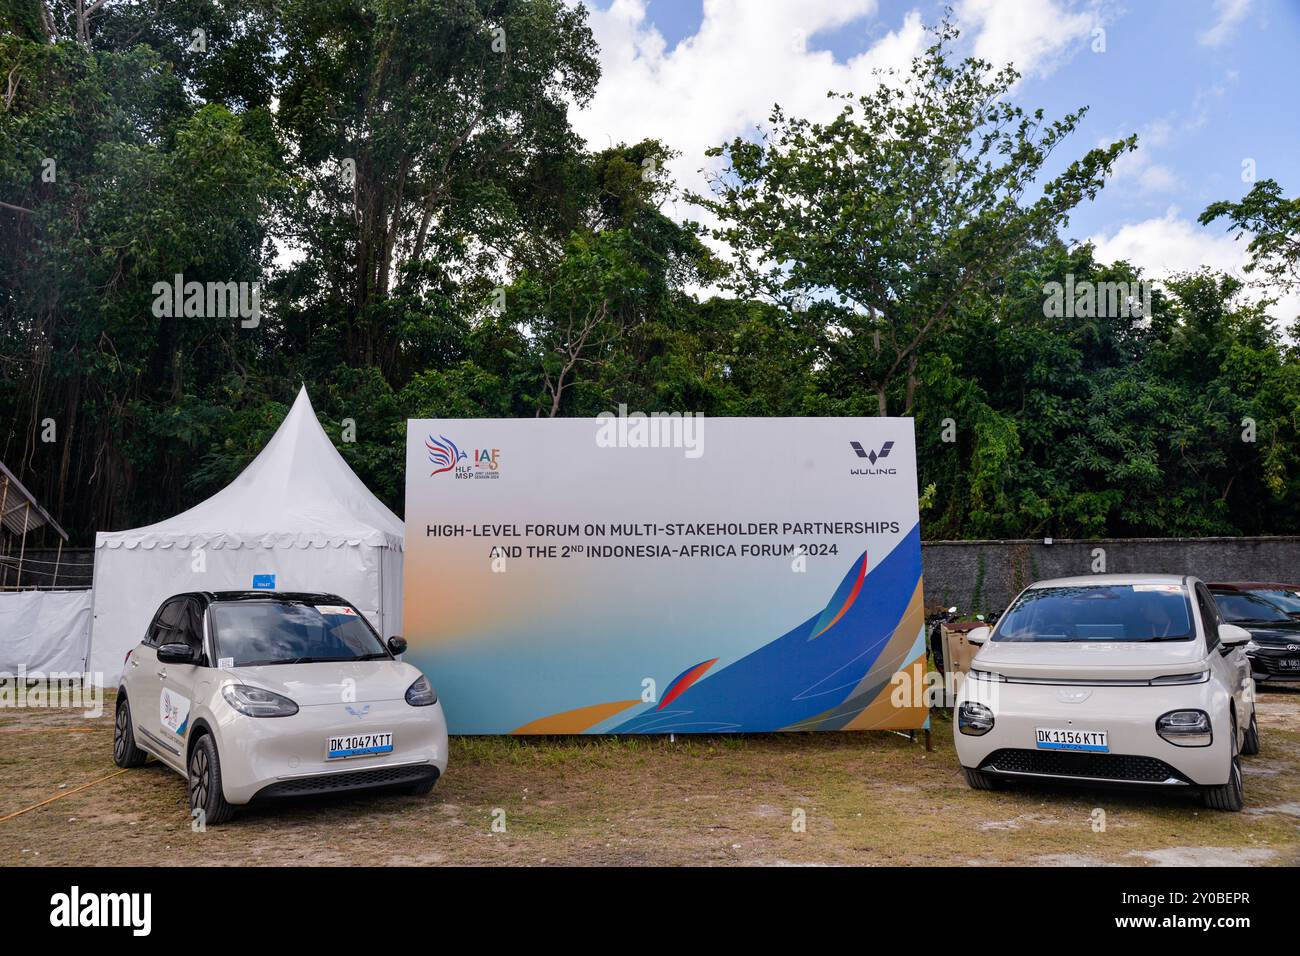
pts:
[864, 799]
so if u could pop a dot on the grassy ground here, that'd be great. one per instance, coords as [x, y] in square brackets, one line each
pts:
[866, 799]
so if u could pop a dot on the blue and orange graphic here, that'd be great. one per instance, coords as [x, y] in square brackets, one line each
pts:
[835, 671]
[443, 452]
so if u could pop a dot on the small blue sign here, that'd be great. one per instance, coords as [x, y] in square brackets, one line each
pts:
[263, 582]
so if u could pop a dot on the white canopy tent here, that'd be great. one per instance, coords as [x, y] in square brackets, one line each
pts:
[296, 512]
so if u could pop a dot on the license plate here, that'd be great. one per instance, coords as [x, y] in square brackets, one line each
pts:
[1289, 664]
[358, 745]
[1050, 738]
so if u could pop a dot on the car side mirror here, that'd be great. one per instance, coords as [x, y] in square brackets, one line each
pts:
[978, 635]
[397, 644]
[177, 653]
[1231, 635]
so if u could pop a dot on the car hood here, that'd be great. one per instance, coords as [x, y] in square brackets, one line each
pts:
[341, 682]
[1091, 660]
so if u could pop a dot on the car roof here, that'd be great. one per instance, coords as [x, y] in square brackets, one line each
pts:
[1097, 580]
[1252, 586]
[284, 597]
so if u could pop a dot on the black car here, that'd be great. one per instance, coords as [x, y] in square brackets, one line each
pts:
[1274, 648]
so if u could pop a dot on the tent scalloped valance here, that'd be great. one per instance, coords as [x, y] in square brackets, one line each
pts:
[225, 542]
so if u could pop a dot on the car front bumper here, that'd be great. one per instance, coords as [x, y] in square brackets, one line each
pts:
[1136, 753]
[286, 756]
[1271, 664]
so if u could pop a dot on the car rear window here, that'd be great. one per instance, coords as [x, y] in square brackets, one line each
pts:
[1103, 612]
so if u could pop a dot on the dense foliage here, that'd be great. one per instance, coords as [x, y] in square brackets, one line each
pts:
[432, 239]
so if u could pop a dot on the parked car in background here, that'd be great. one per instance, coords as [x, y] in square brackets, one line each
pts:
[1125, 679]
[1285, 596]
[1274, 648]
[253, 695]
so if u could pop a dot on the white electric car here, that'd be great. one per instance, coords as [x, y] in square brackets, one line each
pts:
[1116, 678]
[262, 694]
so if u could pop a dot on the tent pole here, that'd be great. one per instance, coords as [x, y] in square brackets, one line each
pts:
[22, 547]
[58, 555]
[4, 567]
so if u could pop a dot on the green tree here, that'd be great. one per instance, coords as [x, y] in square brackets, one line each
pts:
[914, 199]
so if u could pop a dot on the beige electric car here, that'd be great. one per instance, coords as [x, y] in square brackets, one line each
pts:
[1127, 679]
[253, 695]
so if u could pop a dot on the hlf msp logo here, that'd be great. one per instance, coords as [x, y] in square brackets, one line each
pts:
[873, 456]
[446, 456]
[443, 453]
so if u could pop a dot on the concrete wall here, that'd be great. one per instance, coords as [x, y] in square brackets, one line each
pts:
[985, 575]
[974, 575]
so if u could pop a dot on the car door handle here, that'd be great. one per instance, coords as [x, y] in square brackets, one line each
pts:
[162, 673]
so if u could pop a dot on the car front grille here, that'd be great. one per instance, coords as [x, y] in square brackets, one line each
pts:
[1094, 766]
[357, 780]
[1266, 664]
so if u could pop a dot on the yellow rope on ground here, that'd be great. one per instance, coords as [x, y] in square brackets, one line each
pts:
[59, 796]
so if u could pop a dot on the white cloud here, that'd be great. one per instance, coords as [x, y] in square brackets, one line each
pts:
[723, 81]
[1230, 13]
[1139, 167]
[1171, 244]
[1031, 34]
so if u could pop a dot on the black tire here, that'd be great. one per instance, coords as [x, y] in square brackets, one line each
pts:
[203, 780]
[979, 780]
[125, 752]
[1250, 746]
[1228, 796]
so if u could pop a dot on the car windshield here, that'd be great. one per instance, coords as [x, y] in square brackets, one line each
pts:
[1288, 601]
[248, 633]
[1102, 612]
[1238, 607]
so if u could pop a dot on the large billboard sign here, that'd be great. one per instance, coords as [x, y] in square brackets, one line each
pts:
[652, 575]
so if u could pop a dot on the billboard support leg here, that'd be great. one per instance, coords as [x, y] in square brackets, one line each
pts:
[929, 741]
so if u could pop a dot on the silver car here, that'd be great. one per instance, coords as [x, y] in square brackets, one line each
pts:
[1129, 679]
[253, 695]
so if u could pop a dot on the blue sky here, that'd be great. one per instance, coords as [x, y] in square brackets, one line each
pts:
[1206, 84]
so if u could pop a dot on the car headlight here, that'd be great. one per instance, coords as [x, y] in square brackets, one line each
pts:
[1250, 647]
[256, 702]
[421, 693]
[988, 675]
[974, 719]
[1185, 728]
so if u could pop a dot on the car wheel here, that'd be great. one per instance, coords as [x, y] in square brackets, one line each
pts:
[1228, 796]
[125, 752]
[1250, 746]
[204, 780]
[979, 780]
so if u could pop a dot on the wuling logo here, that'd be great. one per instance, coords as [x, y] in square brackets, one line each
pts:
[873, 457]
[443, 453]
